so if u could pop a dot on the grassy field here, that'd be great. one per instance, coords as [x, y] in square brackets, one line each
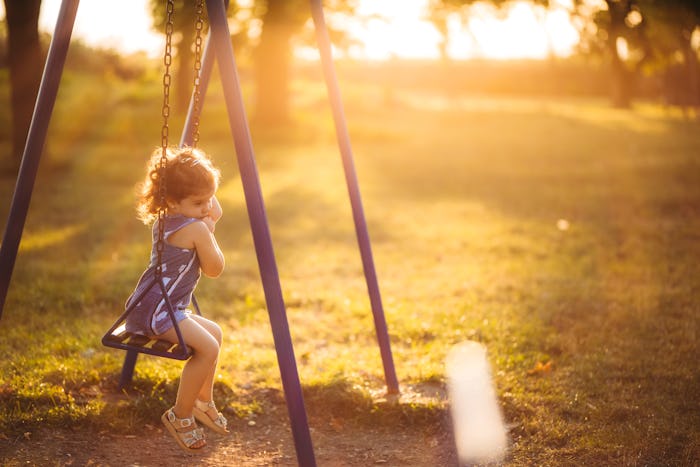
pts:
[564, 235]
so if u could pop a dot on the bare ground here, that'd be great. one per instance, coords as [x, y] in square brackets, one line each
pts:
[264, 440]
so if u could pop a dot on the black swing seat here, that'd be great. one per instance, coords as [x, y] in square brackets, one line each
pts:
[120, 338]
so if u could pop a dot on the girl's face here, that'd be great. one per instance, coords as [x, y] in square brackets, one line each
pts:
[197, 206]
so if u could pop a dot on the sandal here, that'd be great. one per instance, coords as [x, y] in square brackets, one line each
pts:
[184, 430]
[201, 413]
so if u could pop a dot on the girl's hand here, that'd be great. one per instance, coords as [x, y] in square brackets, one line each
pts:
[214, 215]
[215, 212]
[209, 222]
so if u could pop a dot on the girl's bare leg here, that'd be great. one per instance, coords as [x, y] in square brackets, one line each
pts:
[206, 393]
[199, 369]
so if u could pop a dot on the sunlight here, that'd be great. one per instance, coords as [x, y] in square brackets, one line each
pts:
[393, 30]
[381, 30]
[622, 48]
[49, 237]
[387, 30]
[125, 28]
[516, 36]
[524, 32]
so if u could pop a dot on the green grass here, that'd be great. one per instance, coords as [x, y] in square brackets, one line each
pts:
[463, 197]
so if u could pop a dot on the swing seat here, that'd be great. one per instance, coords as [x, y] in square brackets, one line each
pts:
[120, 338]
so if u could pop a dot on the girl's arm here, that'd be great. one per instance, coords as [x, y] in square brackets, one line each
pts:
[211, 259]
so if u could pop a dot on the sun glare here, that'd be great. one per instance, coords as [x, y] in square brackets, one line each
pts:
[381, 30]
[392, 30]
[126, 27]
[522, 31]
[516, 36]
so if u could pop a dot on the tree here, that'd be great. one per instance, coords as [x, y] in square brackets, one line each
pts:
[672, 24]
[25, 60]
[653, 34]
[282, 22]
[657, 36]
[279, 22]
[623, 22]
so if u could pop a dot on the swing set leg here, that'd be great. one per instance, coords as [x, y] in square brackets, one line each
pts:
[363, 241]
[261, 233]
[34, 146]
[128, 369]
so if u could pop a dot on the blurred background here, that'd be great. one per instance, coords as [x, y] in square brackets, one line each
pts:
[623, 49]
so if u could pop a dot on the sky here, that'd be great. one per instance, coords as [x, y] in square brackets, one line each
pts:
[384, 29]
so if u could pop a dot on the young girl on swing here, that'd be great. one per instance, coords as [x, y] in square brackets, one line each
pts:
[189, 247]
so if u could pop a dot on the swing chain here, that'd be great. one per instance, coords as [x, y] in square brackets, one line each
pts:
[199, 26]
[162, 164]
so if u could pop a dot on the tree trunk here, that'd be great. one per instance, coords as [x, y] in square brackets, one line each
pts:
[620, 76]
[272, 63]
[183, 84]
[690, 59]
[25, 61]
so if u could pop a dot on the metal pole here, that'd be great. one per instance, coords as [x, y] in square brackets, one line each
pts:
[261, 233]
[204, 76]
[128, 369]
[46, 98]
[324, 45]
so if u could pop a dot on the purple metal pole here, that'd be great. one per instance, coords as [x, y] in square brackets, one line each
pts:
[261, 233]
[204, 76]
[324, 45]
[46, 98]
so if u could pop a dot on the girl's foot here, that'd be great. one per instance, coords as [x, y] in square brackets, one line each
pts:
[206, 413]
[185, 431]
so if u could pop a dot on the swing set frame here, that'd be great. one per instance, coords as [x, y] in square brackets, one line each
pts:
[218, 46]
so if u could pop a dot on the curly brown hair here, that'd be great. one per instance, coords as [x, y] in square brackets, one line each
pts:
[188, 171]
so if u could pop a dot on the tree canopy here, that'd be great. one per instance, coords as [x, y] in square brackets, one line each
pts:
[635, 37]
[263, 30]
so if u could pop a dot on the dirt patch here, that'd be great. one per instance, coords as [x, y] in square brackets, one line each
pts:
[266, 440]
[267, 443]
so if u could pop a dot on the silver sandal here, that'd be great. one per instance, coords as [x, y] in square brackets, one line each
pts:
[200, 412]
[184, 430]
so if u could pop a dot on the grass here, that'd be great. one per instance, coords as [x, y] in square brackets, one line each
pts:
[561, 234]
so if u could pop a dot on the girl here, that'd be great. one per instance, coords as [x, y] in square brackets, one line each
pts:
[189, 247]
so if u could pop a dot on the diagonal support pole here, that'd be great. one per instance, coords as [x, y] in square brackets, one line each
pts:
[46, 98]
[261, 233]
[324, 45]
[193, 112]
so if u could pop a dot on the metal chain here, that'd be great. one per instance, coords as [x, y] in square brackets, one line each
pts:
[199, 25]
[164, 133]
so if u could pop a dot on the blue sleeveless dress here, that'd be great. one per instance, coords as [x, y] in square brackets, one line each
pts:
[181, 273]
